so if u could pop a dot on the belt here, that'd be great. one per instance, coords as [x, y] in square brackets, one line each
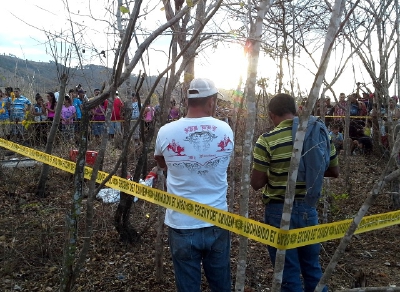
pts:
[274, 201]
[277, 201]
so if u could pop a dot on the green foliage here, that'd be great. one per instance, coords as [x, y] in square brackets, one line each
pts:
[338, 197]
[189, 3]
[335, 206]
[31, 206]
[123, 9]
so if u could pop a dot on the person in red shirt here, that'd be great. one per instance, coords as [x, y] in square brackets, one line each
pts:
[115, 123]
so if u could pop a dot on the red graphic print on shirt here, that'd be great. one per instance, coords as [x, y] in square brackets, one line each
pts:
[176, 148]
[224, 143]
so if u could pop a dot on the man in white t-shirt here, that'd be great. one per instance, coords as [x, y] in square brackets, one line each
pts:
[196, 151]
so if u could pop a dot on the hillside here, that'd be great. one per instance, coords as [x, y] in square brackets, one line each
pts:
[34, 77]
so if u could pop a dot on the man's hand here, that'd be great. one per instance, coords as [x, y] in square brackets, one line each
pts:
[332, 172]
[258, 179]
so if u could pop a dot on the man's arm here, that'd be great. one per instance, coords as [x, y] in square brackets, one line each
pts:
[258, 179]
[34, 112]
[332, 171]
[160, 161]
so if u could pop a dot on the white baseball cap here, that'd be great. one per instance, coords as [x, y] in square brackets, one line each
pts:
[201, 87]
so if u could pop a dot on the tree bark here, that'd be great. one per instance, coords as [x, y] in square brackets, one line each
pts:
[299, 138]
[70, 274]
[159, 245]
[250, 96]
[41, 188]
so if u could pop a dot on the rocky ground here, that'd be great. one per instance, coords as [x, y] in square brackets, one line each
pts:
[32, 238]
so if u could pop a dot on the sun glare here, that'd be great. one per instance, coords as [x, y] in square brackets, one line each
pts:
[223, 66]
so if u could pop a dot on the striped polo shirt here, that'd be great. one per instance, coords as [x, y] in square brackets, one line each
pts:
[272, 154]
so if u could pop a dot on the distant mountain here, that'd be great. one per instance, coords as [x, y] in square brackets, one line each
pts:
[41, 77]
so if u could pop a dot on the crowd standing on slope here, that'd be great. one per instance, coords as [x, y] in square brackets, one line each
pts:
[362, 110]
[20, 115]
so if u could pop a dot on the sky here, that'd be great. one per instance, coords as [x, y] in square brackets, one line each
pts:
[24, 38]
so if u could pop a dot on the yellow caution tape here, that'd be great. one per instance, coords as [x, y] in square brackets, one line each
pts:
[282, 239]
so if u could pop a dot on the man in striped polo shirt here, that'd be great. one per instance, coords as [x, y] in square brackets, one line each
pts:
[19, 106]
[272, 155]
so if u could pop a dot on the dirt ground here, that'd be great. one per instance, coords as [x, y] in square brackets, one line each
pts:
[32, 238]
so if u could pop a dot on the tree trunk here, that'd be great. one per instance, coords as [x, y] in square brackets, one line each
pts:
[191, 47]
[299, 139]
[122, 224]
[126, 231]
[232, 168]
[396, 183]
[70, 274]
[127, 113]
[159, 244]
[121, 220]
[250, 96]
[348, 143]
[166, 100]
[41, 188]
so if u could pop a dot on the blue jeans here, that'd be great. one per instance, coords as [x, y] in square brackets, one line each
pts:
[190, 248]
[298, 261]
[97, 128]
[114, 128]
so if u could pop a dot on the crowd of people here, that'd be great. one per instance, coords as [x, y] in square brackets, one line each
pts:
[362, 110]
[20, 115]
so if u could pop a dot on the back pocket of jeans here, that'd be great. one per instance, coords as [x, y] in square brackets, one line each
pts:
[180, 244]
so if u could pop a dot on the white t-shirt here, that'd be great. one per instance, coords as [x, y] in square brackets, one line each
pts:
[197, 153]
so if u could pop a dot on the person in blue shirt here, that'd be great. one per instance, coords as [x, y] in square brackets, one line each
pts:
[337, 137]
[4, 107]
[4, 115]
[19, 106]
[77, 103]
